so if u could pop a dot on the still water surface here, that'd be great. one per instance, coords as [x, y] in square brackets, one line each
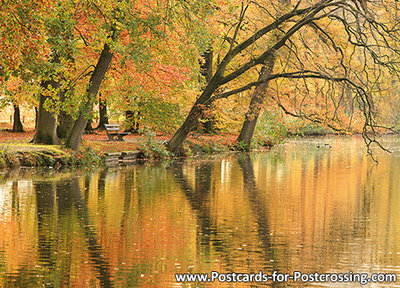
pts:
[310, 205]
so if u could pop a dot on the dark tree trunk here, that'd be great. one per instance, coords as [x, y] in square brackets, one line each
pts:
[206, 65]
[94, 85]
[132, 124]
[371, 104]
[206, 71]
[65, 125]
[65, 121]
[349, 102]
[256, 103]
[17, 125]
[209, 126]
[102, 113]
[46, 123]
[36, 116]
[175, 144]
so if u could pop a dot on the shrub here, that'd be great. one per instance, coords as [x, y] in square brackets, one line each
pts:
[151, 148]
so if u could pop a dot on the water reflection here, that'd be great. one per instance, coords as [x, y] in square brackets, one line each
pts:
[198, 197]
[258, 206]
[303, 206]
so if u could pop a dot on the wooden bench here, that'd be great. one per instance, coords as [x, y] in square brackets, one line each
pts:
[113, 132]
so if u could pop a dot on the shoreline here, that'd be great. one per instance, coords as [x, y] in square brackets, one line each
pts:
[14, 155]
[22, 154]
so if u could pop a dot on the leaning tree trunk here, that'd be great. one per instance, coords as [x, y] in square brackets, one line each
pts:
[17, 126]
[175, 144]
[206, 71]
[46, 123]
[256, 103]
[102, 113]
[94, 85]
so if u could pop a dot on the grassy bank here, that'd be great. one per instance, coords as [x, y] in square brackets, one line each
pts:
[29, 155]
[16, 151]
[95, 150]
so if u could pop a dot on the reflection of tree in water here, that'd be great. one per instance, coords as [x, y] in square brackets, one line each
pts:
[46, 247]
[198, 199]
[130, 180]
[24, 276]
[258, 206]
[101, 183]
[99, 261]
[45, 192]
[55, 268]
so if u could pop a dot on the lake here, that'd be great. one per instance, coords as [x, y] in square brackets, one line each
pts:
[312, 205]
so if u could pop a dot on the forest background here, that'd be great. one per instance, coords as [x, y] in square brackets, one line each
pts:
[256, 69]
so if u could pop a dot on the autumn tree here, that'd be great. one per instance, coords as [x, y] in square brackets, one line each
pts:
[58, 23]
[69, 46]
[134, 30]
[20, 39]
[94, 85]
[16, 91]
[155, 85]
[21, 49]
[115, 17]
[256, 104]
[33, 45]
[351, 47]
